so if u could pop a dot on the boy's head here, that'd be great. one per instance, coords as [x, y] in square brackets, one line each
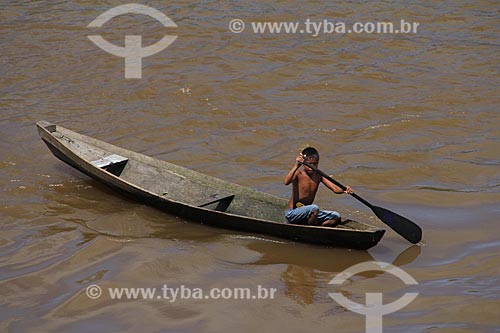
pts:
[310, 152]
[311, 156]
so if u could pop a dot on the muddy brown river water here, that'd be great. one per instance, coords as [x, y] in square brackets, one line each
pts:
[410, 121]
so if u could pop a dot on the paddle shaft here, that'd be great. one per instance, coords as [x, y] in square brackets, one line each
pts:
[354, 195]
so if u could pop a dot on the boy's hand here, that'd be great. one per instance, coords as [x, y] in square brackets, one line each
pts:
[348, 190]
[299, 159]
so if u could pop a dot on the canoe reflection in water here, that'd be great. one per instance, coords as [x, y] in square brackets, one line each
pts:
[307, 273]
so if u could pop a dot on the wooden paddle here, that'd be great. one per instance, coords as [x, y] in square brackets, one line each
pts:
[406, 228]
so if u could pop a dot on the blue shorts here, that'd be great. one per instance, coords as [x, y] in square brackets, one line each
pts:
[301, 214]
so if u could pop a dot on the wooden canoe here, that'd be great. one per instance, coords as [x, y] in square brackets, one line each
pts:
[193, 195]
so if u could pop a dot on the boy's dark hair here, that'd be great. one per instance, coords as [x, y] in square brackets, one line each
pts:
[310, 152]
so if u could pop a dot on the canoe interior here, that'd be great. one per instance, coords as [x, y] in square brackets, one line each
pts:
[170, 183]
[183, 185]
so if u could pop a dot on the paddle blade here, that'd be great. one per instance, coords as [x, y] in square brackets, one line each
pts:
[406, 228]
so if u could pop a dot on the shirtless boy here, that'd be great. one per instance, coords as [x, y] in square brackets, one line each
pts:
[301, 209]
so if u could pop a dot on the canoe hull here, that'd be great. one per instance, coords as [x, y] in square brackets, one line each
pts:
[67, 146]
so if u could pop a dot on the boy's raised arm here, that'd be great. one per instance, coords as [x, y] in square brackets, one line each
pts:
[291, 174]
